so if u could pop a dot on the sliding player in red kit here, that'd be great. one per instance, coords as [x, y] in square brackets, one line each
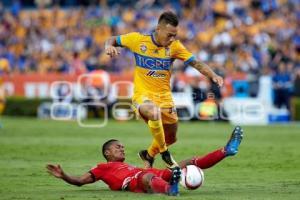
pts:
[119, 175]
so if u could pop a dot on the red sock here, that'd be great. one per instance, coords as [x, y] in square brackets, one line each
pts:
[158, 185]
[209, 160]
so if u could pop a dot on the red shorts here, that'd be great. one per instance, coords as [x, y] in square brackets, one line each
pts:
[136, 183]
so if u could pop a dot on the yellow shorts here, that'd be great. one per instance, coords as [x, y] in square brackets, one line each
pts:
[168, 114]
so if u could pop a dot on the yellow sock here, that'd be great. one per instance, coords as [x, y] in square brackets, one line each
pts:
[157, 130]
[153, 149]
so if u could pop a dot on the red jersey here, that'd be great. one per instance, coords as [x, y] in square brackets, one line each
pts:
[117, 175]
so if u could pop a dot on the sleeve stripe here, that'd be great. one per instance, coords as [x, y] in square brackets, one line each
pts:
[118, 39]
[192, 58]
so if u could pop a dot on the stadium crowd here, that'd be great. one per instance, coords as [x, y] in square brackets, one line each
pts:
[238, 39]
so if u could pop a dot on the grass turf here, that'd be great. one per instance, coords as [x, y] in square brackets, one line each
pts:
[267, 166]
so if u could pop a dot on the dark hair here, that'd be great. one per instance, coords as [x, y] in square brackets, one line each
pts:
[106, 145]
[168, 17]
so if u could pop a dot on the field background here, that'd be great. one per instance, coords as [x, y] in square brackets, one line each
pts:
[267, 166]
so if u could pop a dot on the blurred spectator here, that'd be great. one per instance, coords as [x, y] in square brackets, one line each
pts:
[4, 66]
[296, 85]
[265, 92]
[42, 3]
[251, 33]
[16, 8]
[1, 11]
[282, 86]
[233, 36]
[77, 65]
[177, 85]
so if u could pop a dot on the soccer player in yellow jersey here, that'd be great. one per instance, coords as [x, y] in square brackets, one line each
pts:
[152, 99]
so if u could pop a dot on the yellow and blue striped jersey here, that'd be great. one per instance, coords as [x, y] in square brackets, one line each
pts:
[153, 66]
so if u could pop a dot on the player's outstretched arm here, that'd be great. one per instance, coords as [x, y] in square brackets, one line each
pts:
[207, 71]
[110, 47]
[57, 171]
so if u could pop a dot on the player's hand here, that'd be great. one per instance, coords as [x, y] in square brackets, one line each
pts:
[218, 80]
[55, 170]
[111, 51]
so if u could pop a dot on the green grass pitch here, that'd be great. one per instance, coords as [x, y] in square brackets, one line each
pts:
[266, 167]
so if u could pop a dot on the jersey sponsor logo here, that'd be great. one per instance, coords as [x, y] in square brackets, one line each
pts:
[152, 63]
[154, 74]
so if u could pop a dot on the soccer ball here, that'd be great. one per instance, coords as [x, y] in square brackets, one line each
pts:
[192, 177]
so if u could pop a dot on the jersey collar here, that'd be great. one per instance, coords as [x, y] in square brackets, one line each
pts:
[153, 40]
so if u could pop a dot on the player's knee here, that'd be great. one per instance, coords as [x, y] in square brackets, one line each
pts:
[146, 179]
[154, 114]
[150, 111]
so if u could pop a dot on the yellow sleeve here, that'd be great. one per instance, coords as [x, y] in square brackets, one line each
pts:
[129, 40]
[180, 52]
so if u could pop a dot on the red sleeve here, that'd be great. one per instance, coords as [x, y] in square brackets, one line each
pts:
[97, 172]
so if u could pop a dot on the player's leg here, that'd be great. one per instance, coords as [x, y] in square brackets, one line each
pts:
[152, 113]
[170, 133]
[169, 119]
[170, 122]
[148, 155]
[170, 138]
[153, 183]
[148, 158]
[209, 160]
[234, 142]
